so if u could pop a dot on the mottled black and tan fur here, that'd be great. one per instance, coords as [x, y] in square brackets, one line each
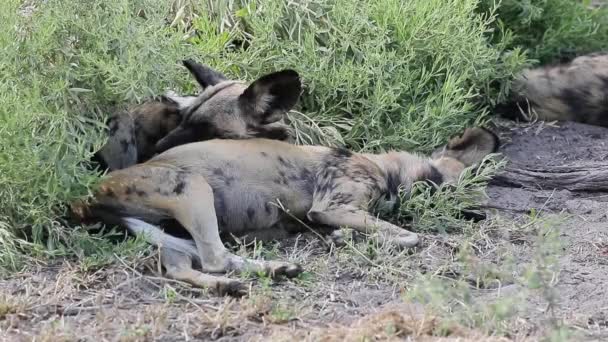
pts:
[576, 91]
[234, 186]
[222, 110]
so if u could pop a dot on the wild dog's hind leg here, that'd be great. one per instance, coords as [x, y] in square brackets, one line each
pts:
[178, 266]
[177, 256]
[194, 209]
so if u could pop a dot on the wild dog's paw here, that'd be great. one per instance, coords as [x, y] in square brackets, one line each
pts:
[278, 269]
[340, 237]
[230, 287]
[401, 240]
[410, 240]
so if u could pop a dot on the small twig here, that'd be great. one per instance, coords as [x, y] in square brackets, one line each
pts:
[286, 211]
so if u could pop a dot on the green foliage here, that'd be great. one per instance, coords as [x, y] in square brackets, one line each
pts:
[551, 30]
[61, 70]
[378, 75]
[394, 74]
[441, 209]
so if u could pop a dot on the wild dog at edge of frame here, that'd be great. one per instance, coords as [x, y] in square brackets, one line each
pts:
[575, 91]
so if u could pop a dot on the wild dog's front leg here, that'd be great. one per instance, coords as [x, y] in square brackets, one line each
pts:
[362, 221]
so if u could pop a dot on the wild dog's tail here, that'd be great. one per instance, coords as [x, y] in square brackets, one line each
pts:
[462, 151]
[156, 236]
[470, 147]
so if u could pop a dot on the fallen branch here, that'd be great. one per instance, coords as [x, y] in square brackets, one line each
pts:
[569, 177]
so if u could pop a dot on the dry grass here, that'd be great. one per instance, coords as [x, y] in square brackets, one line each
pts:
[364, 291]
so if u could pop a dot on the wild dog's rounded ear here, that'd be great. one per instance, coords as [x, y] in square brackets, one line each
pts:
[470, 147]
[204, 75]
[271, 96]
[478, 137]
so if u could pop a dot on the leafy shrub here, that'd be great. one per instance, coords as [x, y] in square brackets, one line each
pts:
[551, 30]
[393, 74]
[61, 70]
[378, 75]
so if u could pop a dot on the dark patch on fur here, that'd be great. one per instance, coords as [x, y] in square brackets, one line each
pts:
[132, 189]
[113, 125]
[282, 179]
[250, 213]
[283, 162]
[434, 176]
[124, 145]
[162, 192]
[193, 132]
[341, 198]
[340, 152]
[180, 185]
[219, 202]
[264, 154]
[268, 207]
[576, 101]
[393, 182]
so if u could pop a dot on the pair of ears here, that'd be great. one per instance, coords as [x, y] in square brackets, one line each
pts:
[268, 97]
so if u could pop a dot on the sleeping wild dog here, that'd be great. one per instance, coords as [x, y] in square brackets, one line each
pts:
[220, 111]
[576, 91]
[237, 186]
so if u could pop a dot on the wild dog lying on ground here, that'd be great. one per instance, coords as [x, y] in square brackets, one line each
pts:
[230, 186]
[577, 91]
[225, 109]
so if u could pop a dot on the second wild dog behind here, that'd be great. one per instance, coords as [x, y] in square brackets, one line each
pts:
[576, 91]
[229, 186]
[223, 110]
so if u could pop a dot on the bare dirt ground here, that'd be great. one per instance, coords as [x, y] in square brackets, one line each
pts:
[362, 290]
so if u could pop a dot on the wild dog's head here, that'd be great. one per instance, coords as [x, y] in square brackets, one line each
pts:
[133, 133]
[465, 150]
[233, 110]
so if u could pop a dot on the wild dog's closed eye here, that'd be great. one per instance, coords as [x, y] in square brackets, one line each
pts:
[231, 109]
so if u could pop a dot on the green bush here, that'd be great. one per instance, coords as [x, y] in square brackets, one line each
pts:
[378, 75]
[61, 69]
[394, 74]
[551, 30]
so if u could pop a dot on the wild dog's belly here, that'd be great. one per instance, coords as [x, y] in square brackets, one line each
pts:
[242, 207]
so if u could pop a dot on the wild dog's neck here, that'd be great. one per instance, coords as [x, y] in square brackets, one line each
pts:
[403, 169]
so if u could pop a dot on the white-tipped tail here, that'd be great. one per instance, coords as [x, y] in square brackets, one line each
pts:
[158, 237]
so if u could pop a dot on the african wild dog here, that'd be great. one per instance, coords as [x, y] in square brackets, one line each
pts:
[222, 110]
[577, 91]
[229, 186]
